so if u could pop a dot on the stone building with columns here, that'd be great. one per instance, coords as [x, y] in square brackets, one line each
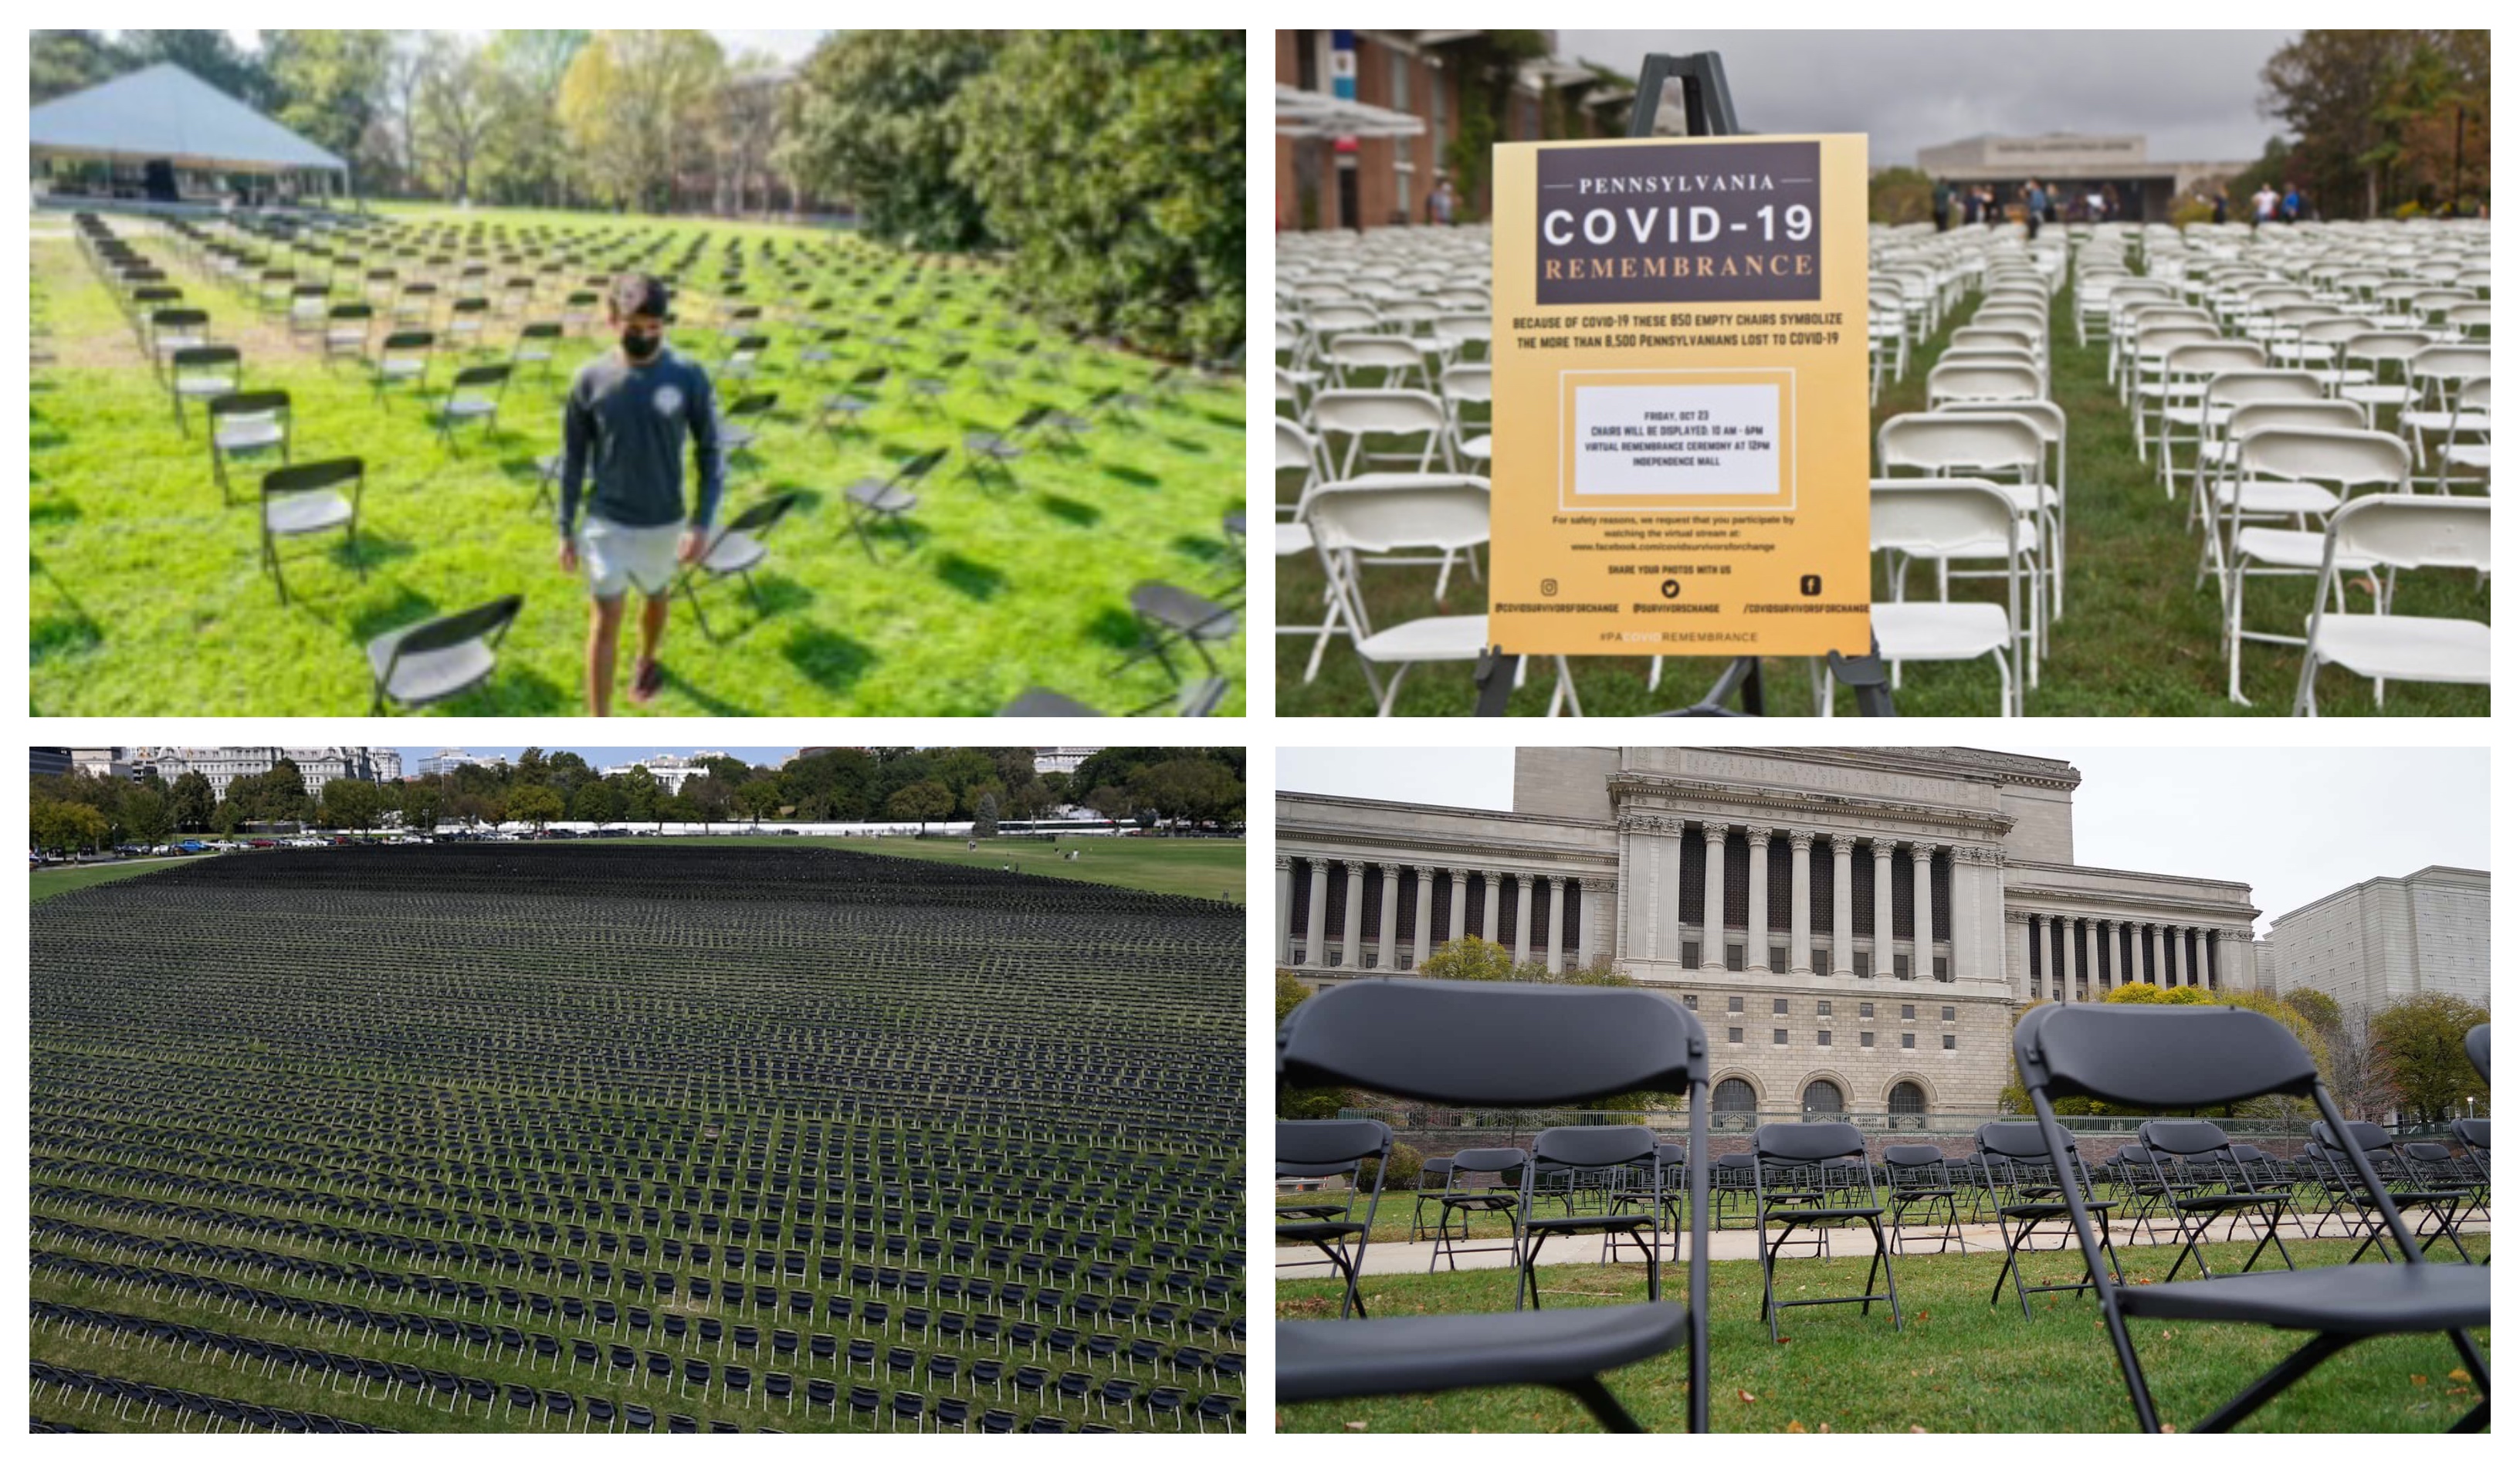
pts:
[1854, 926]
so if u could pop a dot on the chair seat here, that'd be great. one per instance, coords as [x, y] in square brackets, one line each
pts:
[431, 675]
[994, 447]
[1576, 1223]
[395, 371]
[466, 407]
[1177, 609]
[1313, 1230]
[1040, 702]
[1434, 637]
[880, 496]
[2351, 1300]
[2408, 648]
[849, 406]
[1293, 539]
[1480, 447]
[1940, 632]
[2293, 549]
[2276, 496]
[2055, 1211]
[734, 552]
[305, 512]
[1823, 1213]
[1319, 1360]
[2225, 1201]
[736, 438]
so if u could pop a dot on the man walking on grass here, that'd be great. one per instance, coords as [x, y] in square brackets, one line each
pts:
[629, 412]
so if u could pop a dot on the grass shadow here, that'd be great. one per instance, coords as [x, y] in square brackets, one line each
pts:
[1201, 547]
[373, 549]
[1069, 511]
[828, 658]
[1135, 477]
[52, 510]
[971, 577]
[1115, 628]
[407, 607]
[512, 691]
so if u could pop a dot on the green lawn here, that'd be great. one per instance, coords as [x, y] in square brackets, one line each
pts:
[61, 878]
[1200, 867]
[2137, 637]
[149, 597]
[1962, 1366]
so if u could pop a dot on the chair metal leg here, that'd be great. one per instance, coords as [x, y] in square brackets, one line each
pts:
[2280, 1376]
[1597, 1398]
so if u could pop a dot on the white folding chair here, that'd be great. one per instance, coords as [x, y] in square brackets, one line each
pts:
[2300, 474]
[1942, 519]
[1358, 415]
[1469, 437]
[2400, 532]
[2438, 376]
[2007, 454]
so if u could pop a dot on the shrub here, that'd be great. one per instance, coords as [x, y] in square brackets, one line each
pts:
[1406, 1162]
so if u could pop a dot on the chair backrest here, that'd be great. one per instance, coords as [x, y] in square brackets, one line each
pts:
[1928, 515]
[410, 340]
[307, 477]
[461, 627]
[2183, 1137]
[1898, 1156]
[1319, 1148]
[2475, 1133]
[1500, 1045]
[1806, 1142]
[482, 376]
[1402, 513]
[1965, 380]
[759, 519]
[2322, 415]
[1962, 441]
[249, 404]
[2408, 532]
[194, 357]
[2206, 358]
[2326, 455]
[2016, 1140]
[1506, 1163]
[1593, 1147]
[2159, 1056]
[921, 466]
[753, 405]
[1378, 412]
[2480, 1049]
[1295, 447]
[2230, 387]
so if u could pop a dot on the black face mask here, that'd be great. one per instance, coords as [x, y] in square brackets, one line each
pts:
[639, 347]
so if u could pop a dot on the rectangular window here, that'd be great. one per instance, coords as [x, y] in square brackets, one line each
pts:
[1864, 963]
[1950, 1043]
[1942, 967]
[1951, 1013]
[1865, 1040]
[1783, 1006]
[1907, 1040]
[1907, 1013]
[1865, 1010]
[1734, 1004]
[1780, 957]
[1734, 1035]
[1823, 1039]
[1780, 1036]
[1688, 952]
[1399, 81]
[1899, 967]
[1734, 956]
[1824, 1007]
[1689, 1001]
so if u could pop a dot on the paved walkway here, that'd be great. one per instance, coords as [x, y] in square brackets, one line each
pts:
[1406, 1257]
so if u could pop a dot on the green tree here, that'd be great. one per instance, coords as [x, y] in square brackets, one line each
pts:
[871, 120]
[2419, 1045]
[641, 794]
[456, 109]
[2318, 1007]
[193, 802]
[349, 803]
[421, 804]
[211, 55]
[1112, 802]
[148, 815]
[634, 104]
[63, 827]
[759, 799]
[1111, 165]
[1195, 789]
[1291, 992]
[596, 802]
[984, 821]
[332, 83]
[227, 818]
[711, 799]
[1490, 64]
[525, 156]
[2369, 106]
[536, 806]
[1468, 959]
[60, 62]
[1902, 196]
[920, 802]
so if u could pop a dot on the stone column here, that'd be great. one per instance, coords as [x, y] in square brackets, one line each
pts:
[1387, 957]
[2090, 971]
[1318, 916]
[1755, 958]
[2019, 942]
[2179, 954]
[1600, 922]
[1285, 909]
[2205, 958]
[1556, 886]
[2160, 975]
[1885, 933]
[1521, 918]
[1842, 949]
[1801, 840]
[1489, 921]
[1710, 941]
[2047, 975]
[1923, 854]
[1352, 945]
[2109, 931]
[1460, 879]
[1419, 950]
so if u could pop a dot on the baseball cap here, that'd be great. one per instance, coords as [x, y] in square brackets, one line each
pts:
[640, 295]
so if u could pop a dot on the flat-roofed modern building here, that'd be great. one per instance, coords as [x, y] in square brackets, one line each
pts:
[1879, 912]
[2385, 939]
[2074, 166]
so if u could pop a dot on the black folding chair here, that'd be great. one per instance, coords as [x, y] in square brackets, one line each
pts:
[2191, 1057]
[737, 549]
[1796, 1169]
[441, 657]
[1505, 1045]
[2439, 1204]
[1611, 1158]
[1919, 1181]
[1463, 1202]
[2215, 1186]
[1334, 1148]
[306, 499]
[2028, 1189]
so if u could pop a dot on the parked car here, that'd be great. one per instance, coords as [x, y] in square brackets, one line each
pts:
[192, 846]
[261, 842]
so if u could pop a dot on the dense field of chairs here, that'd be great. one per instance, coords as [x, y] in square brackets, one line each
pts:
[632, 1139]
[2264, 383]
[337, 438]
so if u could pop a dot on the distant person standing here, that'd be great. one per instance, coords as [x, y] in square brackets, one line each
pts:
[629, 413]
[1986, 206]
[2034, 204]
[2289, 211]
[1942, 207]
[1439, 202]
[2222, 206]
[2263, 204]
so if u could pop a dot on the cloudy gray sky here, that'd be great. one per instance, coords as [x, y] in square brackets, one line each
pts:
[2296, 825]
[2193, 93]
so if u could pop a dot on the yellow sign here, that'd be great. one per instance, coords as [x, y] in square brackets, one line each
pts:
[1681, 456]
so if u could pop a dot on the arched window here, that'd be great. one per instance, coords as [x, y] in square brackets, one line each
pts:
[1822, 1096]
[1733, 1095]
[1907, 1097]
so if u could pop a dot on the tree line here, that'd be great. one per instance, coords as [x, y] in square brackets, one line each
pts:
[2382, 121]
[75, 813]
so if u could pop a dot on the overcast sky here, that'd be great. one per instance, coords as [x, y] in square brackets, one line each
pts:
[2295, 825]
[2193, 94]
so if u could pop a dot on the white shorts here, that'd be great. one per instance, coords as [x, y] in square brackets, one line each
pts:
[615, 557]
